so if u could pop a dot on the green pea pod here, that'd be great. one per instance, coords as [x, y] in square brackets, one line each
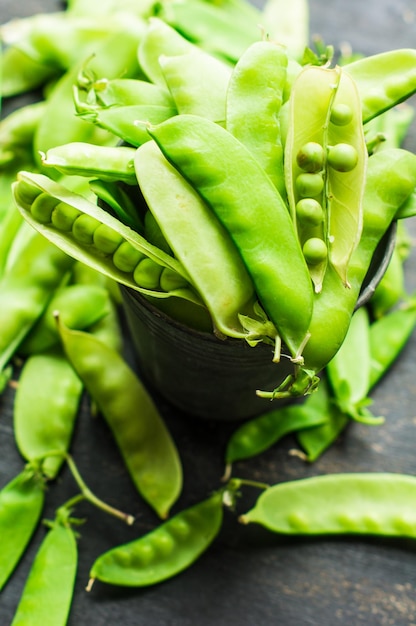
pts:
[106, 92]
[245, 200]
[254, 98]
[25, 291]
[80, 307]
[356, 503]
[315, 440]
[21, 504]
[44, 421]
[391, 178]
[287, 23]
[383, 80]
[349, 370]
[305, 173]
[21, 74]
[93, 236]
[84, 159]
[211, 29]
[198, 240]
[260, 433]
[17, 131]
[388, 337]
[160, 39]
[121, 120]
[182, 74]
[164, 552]
[145, 443]
[47, 594]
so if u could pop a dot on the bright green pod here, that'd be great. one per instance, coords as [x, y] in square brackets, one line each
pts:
[251, 209]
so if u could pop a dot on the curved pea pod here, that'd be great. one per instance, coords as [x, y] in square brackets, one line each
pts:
[182, 74]
[160, 39]
[109, 163]
[198, 239]
[93, 236]
[121, 120]
[211, 28]
[346, 167]
[145, 443]
[260, 433]
[20, 73]
[108, 92]
[17, 131]
[349, 371]
[44, 421]
[384, 80]
[391, 178]
[80, 306]
[305, 160]
[254, 97]
[164, 552]
[25, 291]
[356, 503]
[245, 200]
[21, 505]
[388, 337]
[316, 439]
[47, 594]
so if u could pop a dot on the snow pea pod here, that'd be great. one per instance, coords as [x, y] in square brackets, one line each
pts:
[21, 74]
[47, 594]
[245, 200]
[80, 306]
[108, 92]
[182, 74]
[144, 441]
[43, 421]
[384, 80]
[93, 236]
[254, 98]
[349, 371]
[198, 239]
[26, 289]
[109, 163]
[164, 552]
[260, 433]
[305, 159]
[287, 23]
[211, 28]
[17, 131]
[21, 504]
[355, 503]
[388, 337]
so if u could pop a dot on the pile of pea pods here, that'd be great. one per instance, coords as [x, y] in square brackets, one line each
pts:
[230, 165]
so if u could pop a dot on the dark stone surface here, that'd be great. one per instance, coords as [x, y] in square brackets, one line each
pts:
[249, 577]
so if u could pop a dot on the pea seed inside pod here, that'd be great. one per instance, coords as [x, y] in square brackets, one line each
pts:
[147, 274]
[63, 216]
[126, 258]
[309, 185]
[315, 251]
[309, 212]
[341, 114]
[84, 227]
[342, 157]
[311, 157]
[42, 208]
[26, 192]
[106, 239]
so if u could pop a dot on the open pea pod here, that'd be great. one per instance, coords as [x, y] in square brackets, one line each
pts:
[384, 80]
[305, 163]
[91, 235]
[346, 171]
